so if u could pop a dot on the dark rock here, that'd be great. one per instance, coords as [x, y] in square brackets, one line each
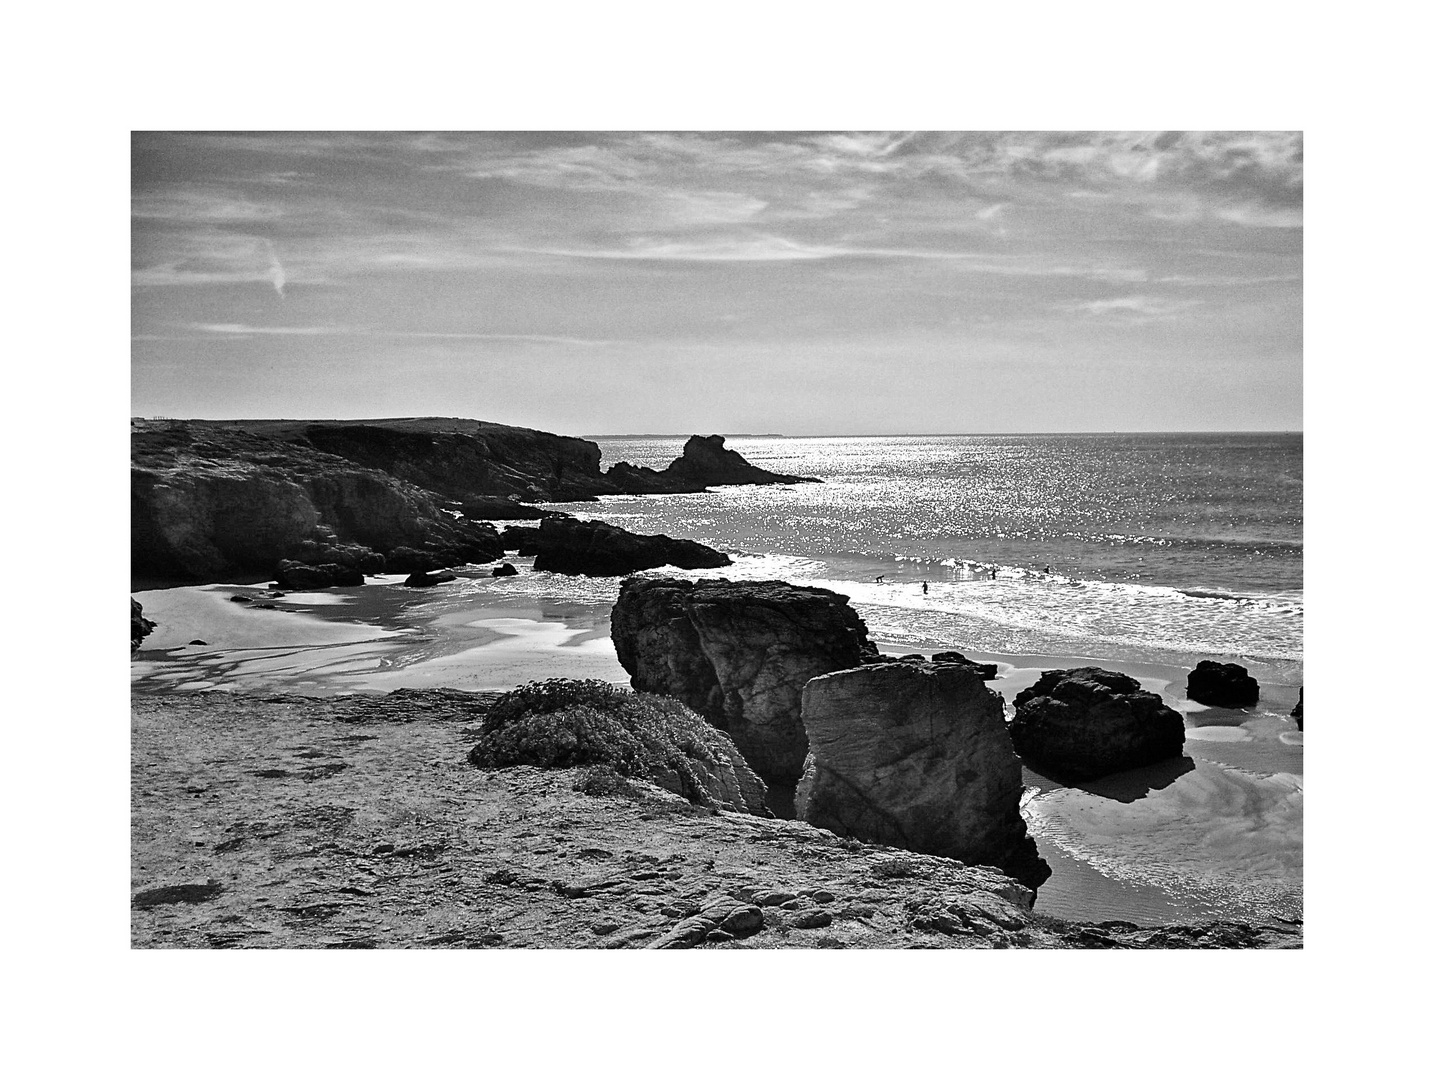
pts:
[191, 893]
[505, 570]
[1298, 712]
[199, 641]
[519, 538]
[424, 580]
[706, 460]
[986, 671]
[812, 920]
[241, 599]
[505, 509]
[213, 498]
[293, 575]
[1227, 686]
[1082, 723]
[563, 723]
[738, 653]
[595, 548]
[139, 626]
[917, 756]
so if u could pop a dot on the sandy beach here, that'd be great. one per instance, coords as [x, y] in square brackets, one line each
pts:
[1215, 834]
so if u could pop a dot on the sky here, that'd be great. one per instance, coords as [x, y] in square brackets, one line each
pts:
[681, 282]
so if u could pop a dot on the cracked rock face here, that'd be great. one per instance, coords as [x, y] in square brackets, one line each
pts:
[916, 755]
[738, 653]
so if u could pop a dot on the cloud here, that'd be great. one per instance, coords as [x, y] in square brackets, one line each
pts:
[241, 328]
[276, 269]
[1125, 306]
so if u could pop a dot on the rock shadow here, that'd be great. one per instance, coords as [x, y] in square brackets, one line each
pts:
[1135, 784]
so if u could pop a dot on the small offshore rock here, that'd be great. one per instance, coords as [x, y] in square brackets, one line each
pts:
[1226, 686]
[505, 570]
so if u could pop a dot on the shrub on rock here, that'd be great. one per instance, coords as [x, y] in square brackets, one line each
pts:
[566, 723]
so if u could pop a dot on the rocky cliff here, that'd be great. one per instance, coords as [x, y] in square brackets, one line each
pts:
[208, 500]
[738, 653]
[916, 755]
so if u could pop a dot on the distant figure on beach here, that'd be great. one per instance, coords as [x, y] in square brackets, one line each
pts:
[993, 573]
[1048, 568]
[923, 588]
[880, 576]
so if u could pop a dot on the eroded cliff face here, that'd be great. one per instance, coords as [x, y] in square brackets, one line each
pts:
[206, 500]
[916, 755]
[738, 653]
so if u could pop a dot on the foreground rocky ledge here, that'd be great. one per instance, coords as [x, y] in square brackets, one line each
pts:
[289, 822]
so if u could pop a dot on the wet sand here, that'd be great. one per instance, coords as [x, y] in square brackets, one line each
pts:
[1218, 833]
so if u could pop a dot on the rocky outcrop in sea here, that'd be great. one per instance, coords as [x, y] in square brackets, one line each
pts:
[1082, 723]
[595, 548]
[739, 653]
[916, 755]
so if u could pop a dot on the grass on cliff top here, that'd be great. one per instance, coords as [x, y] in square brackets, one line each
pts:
[568, 723]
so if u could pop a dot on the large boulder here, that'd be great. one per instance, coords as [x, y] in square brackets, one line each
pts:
[916, 755]
[1226, 686]
[738, 653]
[139, 626]
[1081, 723]
[595, 548]
[1297, 714]
[564, 723]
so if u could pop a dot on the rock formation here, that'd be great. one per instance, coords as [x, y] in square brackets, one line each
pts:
[916, 755]
[139, 626]
[738, 653]
[1297, 714]
[1081, 723]
[985, 671]
[1227, 686]
[295, 575]
[506, 569]
[209, 500]
[705, 462]
[564, 723]
[595, 548]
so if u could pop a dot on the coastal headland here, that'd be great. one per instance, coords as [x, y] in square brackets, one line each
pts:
[304, 806]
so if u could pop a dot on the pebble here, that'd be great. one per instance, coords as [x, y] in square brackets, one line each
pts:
[602, 929]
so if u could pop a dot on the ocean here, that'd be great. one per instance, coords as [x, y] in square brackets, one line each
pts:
[1147, 547]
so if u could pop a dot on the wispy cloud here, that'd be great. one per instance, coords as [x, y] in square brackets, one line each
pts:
[241, 328]
[1127, 306]
[276, 269]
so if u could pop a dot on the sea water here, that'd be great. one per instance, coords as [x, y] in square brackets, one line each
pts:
[1144, 547]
